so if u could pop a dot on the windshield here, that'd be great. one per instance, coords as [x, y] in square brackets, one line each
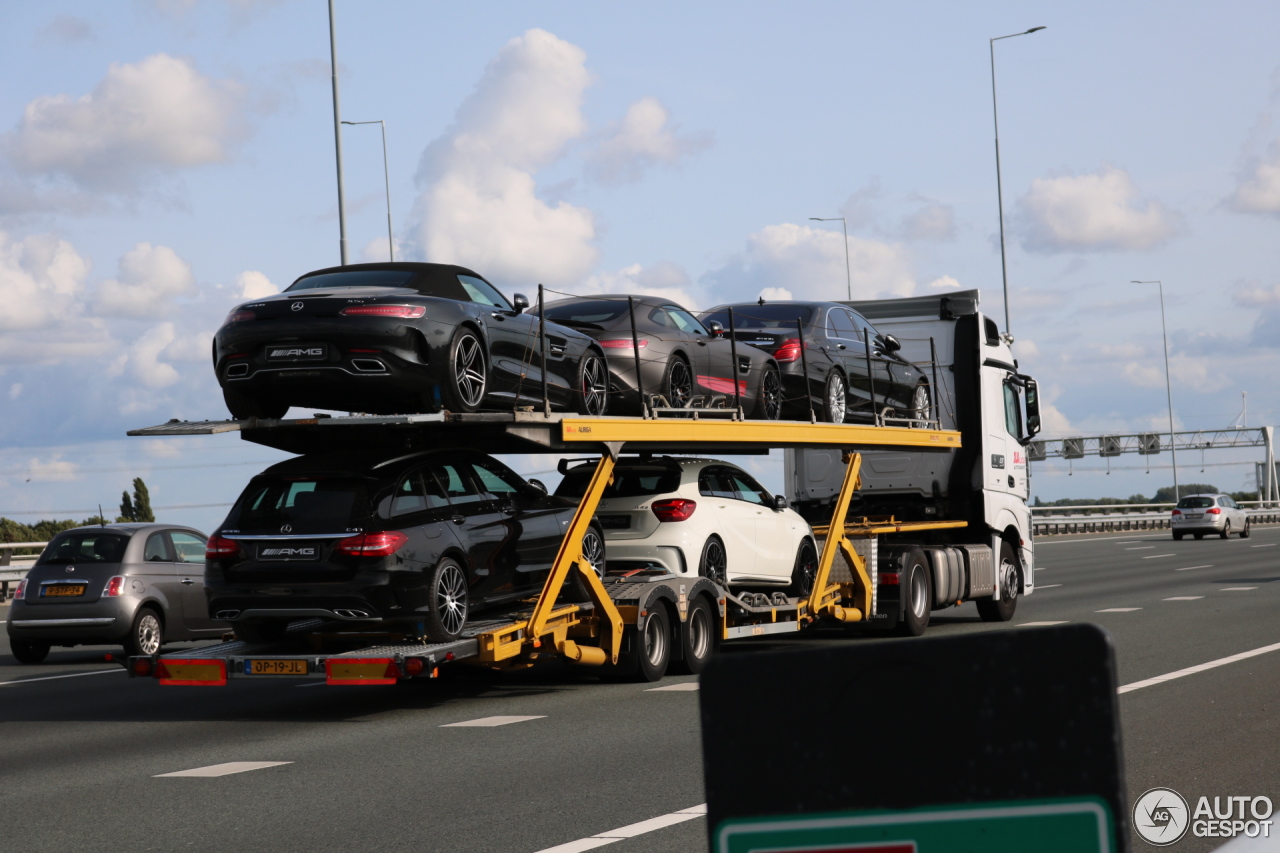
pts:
[597, 314]
[305, 504]
[85, 547]
[1195, 503]
[749, 316]
[355, 278]
[631, 481]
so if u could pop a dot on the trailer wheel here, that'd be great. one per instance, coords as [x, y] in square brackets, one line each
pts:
[653, 644]
[446, 612]
[714, 565]
[698, 638]
[917, 587]
[1008, 577]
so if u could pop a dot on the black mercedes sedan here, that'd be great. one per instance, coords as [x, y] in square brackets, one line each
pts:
[400, 338]
[681, 359]
[854, 372]
[426, 539]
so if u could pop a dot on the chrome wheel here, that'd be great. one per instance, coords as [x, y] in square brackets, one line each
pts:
[593, 550]
[655, 640]
[837, 398]
[920, 404]
[451, 599]
[147, 634]
[714, 563]
[699, 633]
[919, 594]
[679, 384]
[1008, 580]
[468, 370]
[594, 386]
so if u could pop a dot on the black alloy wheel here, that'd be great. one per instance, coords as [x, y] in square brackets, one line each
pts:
[592, 394]
[769, 395]
[593, 552]
[917, 586]
[1008, 577]
[835, 398]
[146, 635]
[698, 639]
[714, 563]
[921, 404]
[28, 651]
[464, 388]
[677, 384]
[805, 571]
[446, 613]
[243, 406]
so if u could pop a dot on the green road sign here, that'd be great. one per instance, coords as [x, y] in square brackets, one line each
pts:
[1049, 826]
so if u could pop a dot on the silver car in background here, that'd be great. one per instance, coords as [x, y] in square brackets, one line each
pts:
[134, 584]
[1201, 514]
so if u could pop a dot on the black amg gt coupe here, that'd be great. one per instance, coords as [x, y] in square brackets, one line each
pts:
[400, 338]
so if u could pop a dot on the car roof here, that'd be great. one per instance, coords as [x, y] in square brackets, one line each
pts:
[408, 266]
[129, 527]
[604, 297]
[356, 463]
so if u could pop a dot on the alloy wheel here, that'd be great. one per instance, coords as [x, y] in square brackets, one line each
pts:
[714, 563]
[679, 384]
[595, 386]
[593, 551]
[149, 634]
[771, 390]
[837, 398]
[920, 404]
[1008, 580]
[451, 599]
[468, 370]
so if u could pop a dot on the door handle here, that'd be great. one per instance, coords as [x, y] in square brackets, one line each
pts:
[495, 315]
[187, 581]
[840, 346]
[509, 510]
[459, 519]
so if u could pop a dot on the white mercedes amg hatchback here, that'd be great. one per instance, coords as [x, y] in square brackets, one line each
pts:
[699, 517]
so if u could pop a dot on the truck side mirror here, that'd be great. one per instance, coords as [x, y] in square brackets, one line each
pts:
[521, 302]
[716, 329]
[1033, 406]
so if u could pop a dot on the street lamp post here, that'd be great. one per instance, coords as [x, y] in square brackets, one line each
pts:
[1004, 269]
[848, 277]
[1168, 385]
[386, 179]
[337, 136]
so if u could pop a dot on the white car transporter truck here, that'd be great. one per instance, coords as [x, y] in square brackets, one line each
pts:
[977, 391]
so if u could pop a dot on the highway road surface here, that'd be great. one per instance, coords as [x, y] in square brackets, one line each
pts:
[555, 760]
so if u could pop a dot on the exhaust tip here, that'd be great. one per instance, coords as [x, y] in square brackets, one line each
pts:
[236, 370]
[351, 614]
[226, 614]
[365, 365]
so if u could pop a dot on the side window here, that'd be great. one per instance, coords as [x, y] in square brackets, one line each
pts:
[157, 550]
[660, 316]
[747, 489]
[712, 484]
[410, 496]
[457, 483]
[1225, 502]
[496, 481]
[684, 321]
[840, 325]
[991, 332]
[1012, 412]
[188, 547]
[483, 292]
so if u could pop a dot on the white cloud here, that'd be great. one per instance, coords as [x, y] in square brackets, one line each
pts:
[15, 390]
[1254, 293]
[56, 469]
[150, 277]
[945, 282]
[252, 284]
[1099, 211]
[41, 279]
[642, 139]
[776, 294]
[149, 117]
[1259, 191]
[664, 279]
[935, 222]
[377, 250]
[1185, 371]
[142, 360]
[479, 206]
[810, 262]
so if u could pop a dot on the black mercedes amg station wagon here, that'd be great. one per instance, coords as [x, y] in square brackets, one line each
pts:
[399, 338]
[426, 538]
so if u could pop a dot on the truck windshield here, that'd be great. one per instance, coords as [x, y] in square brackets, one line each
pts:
[1195, 503]
[304, 505]
[752, 316]
[631, 481]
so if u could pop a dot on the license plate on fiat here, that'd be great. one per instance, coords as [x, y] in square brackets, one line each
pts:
[275, 667]
[63, 590]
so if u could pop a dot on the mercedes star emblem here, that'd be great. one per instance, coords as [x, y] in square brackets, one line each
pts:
[287, 528]
[71, 568]
[297, 306]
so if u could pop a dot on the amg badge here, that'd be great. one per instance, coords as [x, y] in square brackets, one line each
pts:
[296, 352]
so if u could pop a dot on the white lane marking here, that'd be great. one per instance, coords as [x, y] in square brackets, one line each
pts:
[313, 684]
[1269, 545]
[224, 769]
[1155, 556]
[1184, 598]
[1141, 548]
[1038, 624]
[488, 722]
[1118, 610]
[1048, 585]
[1040, 542]
[1127, 541]
[55, 677]
[1192, 670]
[1237, 588]
[1189, 568]
[628, 831]
[687, 685]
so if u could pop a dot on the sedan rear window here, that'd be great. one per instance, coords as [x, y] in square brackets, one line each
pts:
[85, 547]
[306, 505]
[1195, 503]
[598, 313]
[630, 481]
[761, 316]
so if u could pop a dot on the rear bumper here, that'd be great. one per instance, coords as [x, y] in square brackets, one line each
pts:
[1199, 525]
[623, 554]
[99, 622]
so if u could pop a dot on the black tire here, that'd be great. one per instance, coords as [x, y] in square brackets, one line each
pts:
[653, 643]
[266, 631]
[768, 405]
[835, 398]
[714, 562]
[466, 379]
[1009, 576]
[1177, 536]
[1198, 535]
[698, 638]
[805, 571]
[243, 406]
[921, 404]
[1244, 532]
[146, 634]
[677, 382]
[594, 550]
[446, 612]
[591, 394]
[28, 651]
[917, 587]
[1226, 530]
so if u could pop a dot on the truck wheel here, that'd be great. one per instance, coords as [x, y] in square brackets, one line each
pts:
[243, 406]
[698, 638]
[28, 651]
[146, 634]
[467, 375]
[446, 613]
[1008, 576]
[714, 565]
[917, 586]
[805, 571]
[653, 644]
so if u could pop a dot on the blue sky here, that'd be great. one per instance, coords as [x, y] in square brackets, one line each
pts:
[161, 160]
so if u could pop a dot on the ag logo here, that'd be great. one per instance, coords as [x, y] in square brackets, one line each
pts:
[1161, 817]
[297, 306]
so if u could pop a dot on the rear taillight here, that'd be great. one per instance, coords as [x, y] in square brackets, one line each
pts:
[1214, 511]
[788, 351]
[217, 547]
[404, 312]
[1177, 512]
[21, 591]
[624, 343]
[114, 587]
[238, 315]
[674, 509]
[373, 544]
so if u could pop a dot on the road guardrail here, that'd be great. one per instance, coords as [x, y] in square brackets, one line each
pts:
[1096, 519]
[13, 570]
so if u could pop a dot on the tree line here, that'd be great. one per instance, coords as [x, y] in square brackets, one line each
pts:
[1162, 496]
[135, 507]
